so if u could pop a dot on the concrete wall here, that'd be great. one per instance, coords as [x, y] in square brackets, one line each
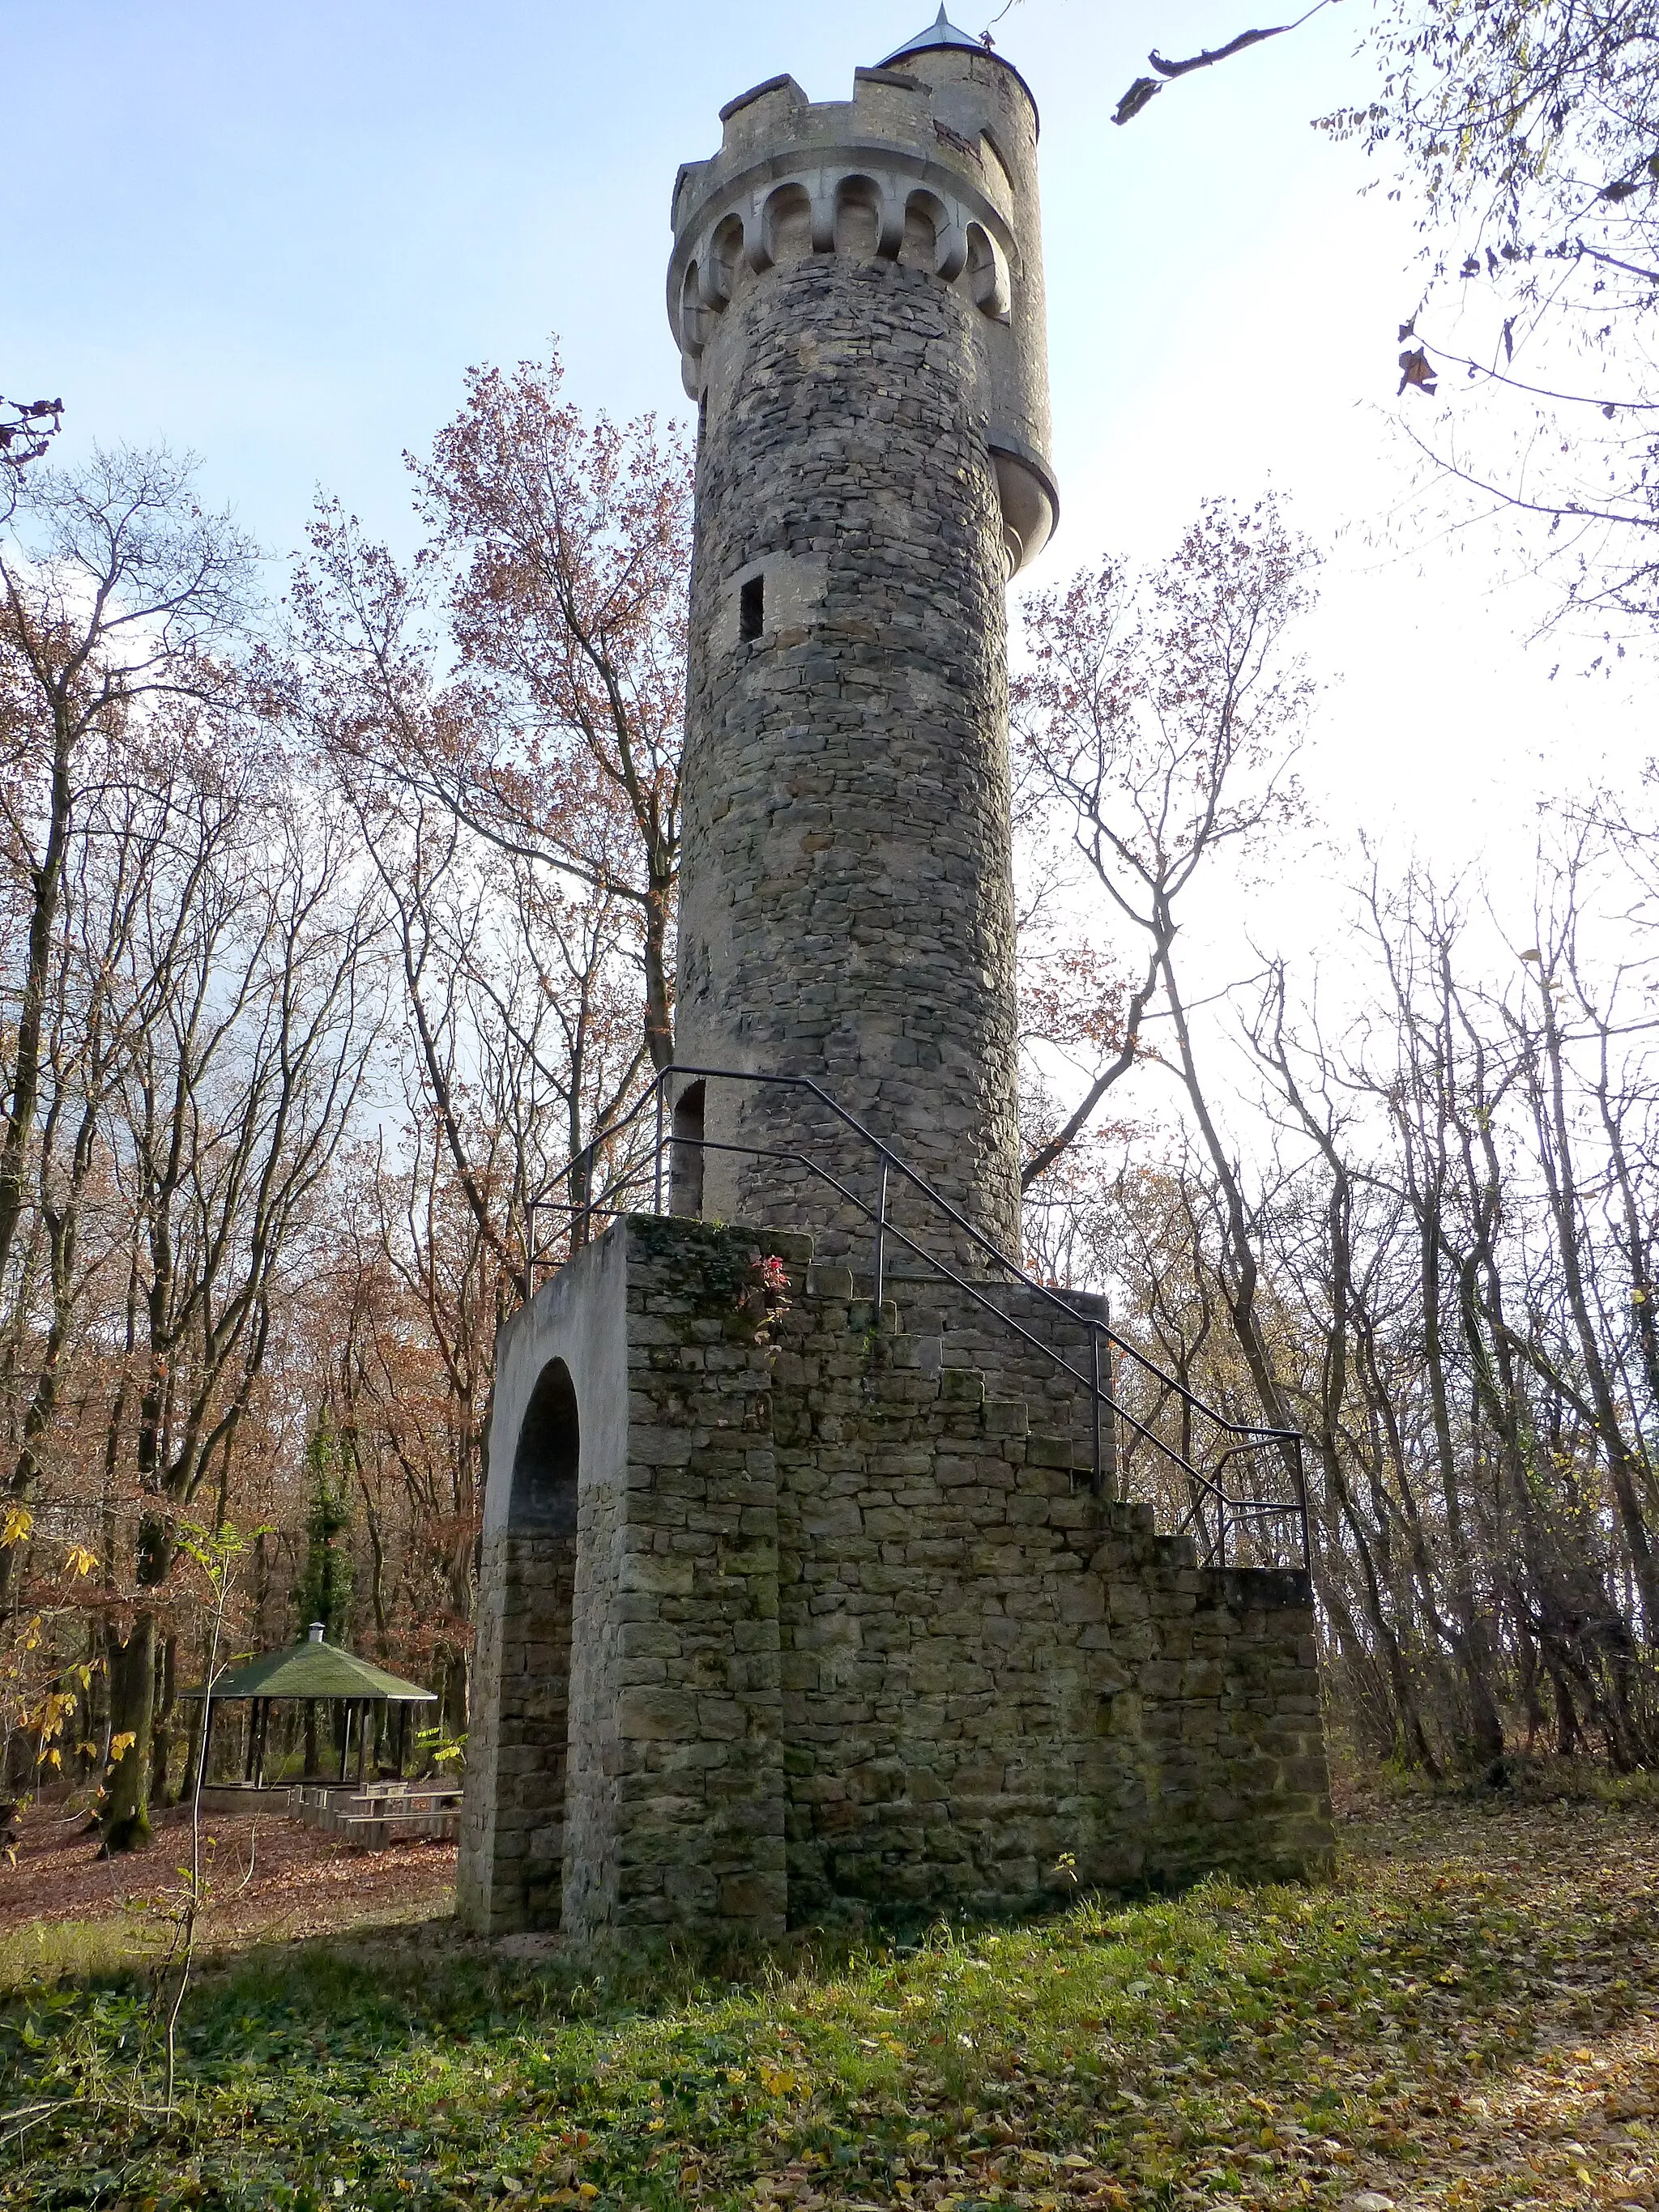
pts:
[861, 1637]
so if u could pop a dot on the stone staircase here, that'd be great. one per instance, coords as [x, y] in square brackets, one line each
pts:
[940, 1345]
[980, 1655]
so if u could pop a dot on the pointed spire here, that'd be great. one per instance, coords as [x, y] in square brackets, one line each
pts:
[941, 32]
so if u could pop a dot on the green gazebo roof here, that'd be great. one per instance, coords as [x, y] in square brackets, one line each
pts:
[313, 1670]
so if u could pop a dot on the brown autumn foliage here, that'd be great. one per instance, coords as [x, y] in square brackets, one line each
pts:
[335, 962]
[571, 542]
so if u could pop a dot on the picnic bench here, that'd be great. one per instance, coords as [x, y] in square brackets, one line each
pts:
[377, 1814]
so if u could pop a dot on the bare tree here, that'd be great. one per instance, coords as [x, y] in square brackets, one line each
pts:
[116, 588]
[28, 428]
[256, 957]
[1165, 717]
[572, 541]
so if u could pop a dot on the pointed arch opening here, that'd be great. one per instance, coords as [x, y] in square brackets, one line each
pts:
[547, 1464]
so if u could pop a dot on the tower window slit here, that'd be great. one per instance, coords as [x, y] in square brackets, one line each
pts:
[751, 609]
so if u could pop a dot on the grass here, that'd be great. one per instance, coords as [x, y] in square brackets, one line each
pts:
[52, 1951]
[1470, 2015]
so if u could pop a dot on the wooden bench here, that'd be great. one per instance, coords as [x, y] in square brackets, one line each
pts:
[373, 1831]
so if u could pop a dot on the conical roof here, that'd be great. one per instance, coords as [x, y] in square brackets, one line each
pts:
[313, 1670]
[941, 32]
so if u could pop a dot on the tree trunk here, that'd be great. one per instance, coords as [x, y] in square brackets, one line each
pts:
[1625, 1463]
[161, 1731]
[132, 1712]
[45, 884]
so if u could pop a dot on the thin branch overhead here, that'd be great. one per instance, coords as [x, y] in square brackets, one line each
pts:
[1145, 89]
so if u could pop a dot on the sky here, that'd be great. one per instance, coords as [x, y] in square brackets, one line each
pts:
[277, 236]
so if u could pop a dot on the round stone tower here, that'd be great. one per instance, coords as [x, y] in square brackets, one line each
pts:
[856, 288]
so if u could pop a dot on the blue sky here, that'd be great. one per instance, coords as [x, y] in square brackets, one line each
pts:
[277, 235]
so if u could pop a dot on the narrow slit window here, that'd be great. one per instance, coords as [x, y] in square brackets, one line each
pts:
[751, 609]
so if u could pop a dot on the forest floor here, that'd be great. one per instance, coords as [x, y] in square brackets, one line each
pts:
[267, 1879]
[1466, 2017]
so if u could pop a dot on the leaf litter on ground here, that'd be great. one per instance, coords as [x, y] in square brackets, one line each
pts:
[1469, 2016]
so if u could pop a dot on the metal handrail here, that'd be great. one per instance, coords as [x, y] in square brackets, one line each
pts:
[1249, 1438]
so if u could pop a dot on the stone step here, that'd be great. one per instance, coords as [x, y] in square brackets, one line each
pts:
[1007, 1417]
[921, 1329]
[1058, 1451]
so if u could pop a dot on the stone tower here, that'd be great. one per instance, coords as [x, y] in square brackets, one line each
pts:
[792, 1606]
[856, 289]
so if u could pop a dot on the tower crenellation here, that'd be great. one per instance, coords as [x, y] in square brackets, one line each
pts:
[932, 165]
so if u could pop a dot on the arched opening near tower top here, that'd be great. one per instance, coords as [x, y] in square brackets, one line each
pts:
[685, 1184]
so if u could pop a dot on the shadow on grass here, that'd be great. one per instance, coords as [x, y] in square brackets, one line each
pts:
[401, 1978]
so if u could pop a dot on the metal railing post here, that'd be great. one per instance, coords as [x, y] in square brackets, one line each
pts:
[1099, 1483]
[881, 1251]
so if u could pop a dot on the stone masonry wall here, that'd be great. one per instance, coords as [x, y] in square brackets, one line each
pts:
[854, 1635]
[698, 1835]
[951, 1330]
[984, 1666]
[602, 1619]
[847, 907]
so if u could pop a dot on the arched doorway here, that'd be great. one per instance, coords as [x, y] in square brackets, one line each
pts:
[540, 1589]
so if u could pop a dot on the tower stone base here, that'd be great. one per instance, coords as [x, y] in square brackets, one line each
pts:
[836, 1625]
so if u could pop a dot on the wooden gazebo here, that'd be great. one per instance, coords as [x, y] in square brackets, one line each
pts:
[311, 1672]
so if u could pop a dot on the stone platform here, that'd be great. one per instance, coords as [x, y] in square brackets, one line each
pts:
[792, 1612]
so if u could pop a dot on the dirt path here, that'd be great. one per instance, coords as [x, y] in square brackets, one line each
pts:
[267, 1877]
